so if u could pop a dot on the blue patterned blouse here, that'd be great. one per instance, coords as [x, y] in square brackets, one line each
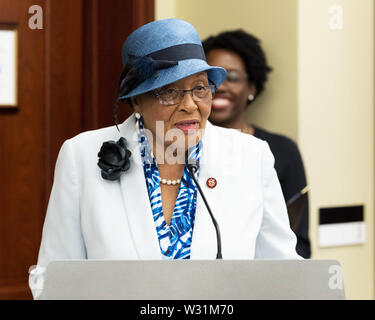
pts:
[174, 239]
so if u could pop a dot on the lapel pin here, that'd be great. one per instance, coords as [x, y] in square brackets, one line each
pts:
[211, 183]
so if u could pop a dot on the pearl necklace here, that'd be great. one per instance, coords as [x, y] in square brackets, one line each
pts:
[170, 182]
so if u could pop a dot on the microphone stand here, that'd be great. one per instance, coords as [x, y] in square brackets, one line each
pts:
[193, 168]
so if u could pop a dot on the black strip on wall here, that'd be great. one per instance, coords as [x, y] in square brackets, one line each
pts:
[340, 214]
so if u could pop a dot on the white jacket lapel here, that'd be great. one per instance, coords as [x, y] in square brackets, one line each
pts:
[136, 200]
[204, 244]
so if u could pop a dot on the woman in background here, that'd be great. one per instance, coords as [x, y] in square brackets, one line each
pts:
[242, 56]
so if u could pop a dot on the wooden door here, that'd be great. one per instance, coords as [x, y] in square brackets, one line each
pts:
[67, 77]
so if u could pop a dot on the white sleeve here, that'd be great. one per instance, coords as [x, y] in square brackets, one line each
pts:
[275, 240]
[62, 237]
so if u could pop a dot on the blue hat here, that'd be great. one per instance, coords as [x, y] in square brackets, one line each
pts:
[160, 53]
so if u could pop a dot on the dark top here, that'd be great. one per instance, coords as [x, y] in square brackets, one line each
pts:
[291, 174]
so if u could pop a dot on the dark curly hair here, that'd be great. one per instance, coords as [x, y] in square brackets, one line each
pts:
[248, 48]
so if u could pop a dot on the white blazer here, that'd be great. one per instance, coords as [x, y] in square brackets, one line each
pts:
[89, 217]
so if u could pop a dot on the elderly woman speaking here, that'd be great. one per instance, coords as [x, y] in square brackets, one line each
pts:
[164, 182]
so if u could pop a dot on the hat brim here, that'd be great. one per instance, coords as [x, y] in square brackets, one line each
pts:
[184, 69]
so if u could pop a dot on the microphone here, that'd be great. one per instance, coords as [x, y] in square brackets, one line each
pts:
[193, 168]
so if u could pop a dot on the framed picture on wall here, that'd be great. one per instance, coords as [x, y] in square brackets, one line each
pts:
[8, 66]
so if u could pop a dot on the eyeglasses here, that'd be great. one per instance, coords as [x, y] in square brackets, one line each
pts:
[235, 77]
[173, 96]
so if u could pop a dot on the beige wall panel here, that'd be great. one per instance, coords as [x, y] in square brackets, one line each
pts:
[336, 123]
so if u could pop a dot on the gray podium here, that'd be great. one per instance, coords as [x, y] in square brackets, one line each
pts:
[194, 280]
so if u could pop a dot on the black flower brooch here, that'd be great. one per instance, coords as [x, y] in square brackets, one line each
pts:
[114, 159]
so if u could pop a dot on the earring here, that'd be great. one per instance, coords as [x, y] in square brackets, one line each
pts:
[139, 121]
[250, 97]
